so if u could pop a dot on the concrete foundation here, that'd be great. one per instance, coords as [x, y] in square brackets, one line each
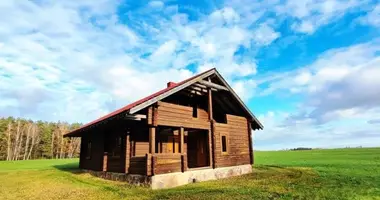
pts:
[170, 180]
[134, 179]
[176, 179]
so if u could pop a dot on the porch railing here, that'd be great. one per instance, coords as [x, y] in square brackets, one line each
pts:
[153, 164]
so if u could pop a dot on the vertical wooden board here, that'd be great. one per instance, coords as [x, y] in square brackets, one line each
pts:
[250, 143]
[182, 140]
[105, 161]
[127, 152]
[150, 116]
[214, 135]
[152, 140]
[210, 113]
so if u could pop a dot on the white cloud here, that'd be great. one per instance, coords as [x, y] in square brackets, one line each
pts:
[265, 35]
[225, 15]
[312, 14]
[156, 4]
[340, 100]
[86, 52]
[91, 58]
[373, 17]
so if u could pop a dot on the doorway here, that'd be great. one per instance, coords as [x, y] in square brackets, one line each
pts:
[197, 148]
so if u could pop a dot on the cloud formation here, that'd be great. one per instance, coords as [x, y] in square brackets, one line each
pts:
[78, 60]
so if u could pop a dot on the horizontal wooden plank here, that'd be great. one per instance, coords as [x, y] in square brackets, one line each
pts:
[189, 116]
[163, 105]
[193, 124]
[235, 117]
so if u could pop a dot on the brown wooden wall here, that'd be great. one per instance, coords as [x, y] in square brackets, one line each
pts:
[236, 131]
[166, 163]
[140, 142]
[181, 116]
[95, 162]
[137, 165]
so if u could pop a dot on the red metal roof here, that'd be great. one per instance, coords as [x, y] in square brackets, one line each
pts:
[128, 107]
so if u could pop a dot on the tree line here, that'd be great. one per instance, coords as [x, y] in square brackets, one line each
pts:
[22, 139]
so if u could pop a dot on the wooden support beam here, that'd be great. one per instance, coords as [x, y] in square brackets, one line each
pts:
[204, 87]
[152, 140]
[210, 114]
[194, 92]
[182, 140]
[155, 114]
[127, 152]
[184, 162]
[210, 149]
[137, 117]
[105, 161]
[213, 139]
[250, 142]
[203, 90]
[213, 85]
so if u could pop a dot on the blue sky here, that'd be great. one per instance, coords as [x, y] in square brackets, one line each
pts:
[309, 70]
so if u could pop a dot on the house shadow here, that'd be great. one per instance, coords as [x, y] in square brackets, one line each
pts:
[70, 167]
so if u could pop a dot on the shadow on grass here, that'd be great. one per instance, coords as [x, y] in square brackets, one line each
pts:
[69, 167]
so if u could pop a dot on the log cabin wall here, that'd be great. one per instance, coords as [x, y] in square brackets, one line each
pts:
[92, 158]
[181, 116]
[139, 142]
[115, 151]
[139, 147]
[166, 163]
[236, 132]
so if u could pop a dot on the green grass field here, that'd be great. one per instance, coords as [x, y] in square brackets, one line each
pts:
[316, 174]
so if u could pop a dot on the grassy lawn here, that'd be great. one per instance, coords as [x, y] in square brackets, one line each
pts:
[316, 174]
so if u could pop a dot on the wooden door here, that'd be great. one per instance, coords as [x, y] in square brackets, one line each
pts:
[201, 150]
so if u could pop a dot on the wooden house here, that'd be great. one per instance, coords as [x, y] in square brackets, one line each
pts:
[194, 130]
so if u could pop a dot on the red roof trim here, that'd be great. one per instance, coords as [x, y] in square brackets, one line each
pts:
[128, 107]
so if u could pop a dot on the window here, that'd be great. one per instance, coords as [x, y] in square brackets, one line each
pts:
[117, 147]
[88, 152]
[224, 144]
[195, 111]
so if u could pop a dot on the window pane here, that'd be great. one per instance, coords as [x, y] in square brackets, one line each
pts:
[224, 144]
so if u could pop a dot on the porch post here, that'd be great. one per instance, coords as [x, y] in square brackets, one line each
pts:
[127, 152]
[105, 160]
[152, 140]
[211, 140]
[105, 154]
[251, 159]
[182, 140]
[182, 149]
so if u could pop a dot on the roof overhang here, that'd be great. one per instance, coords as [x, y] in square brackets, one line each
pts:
[137, 106]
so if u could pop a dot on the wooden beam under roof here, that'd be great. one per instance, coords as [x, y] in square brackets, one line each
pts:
[198, 89]
[135, 117]
[213, 85]
[170, 92]
[205, 87]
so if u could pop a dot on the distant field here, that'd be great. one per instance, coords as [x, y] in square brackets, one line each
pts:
[316, 174]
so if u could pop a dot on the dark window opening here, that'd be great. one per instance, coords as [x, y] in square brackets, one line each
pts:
[88, 152]
[220, 117]
[224, 144]
[117, 147]
[195, 111]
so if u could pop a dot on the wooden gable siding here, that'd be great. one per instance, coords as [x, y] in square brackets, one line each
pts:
[236, 131]
[95, 162]
[181, 116]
